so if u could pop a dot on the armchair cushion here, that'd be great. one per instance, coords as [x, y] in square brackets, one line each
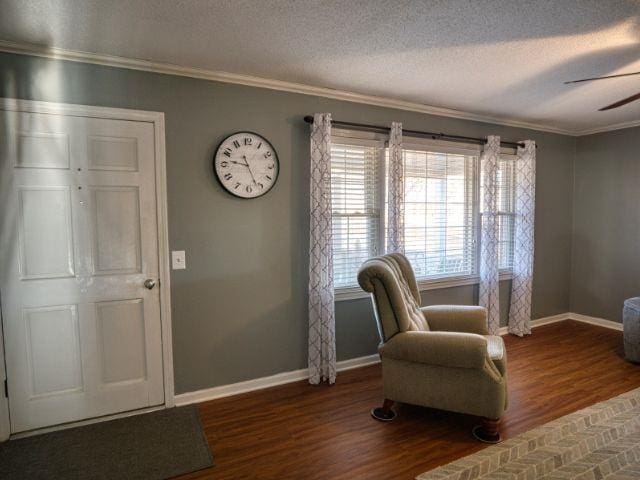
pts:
[497, 353]
[495, 347]
[447, 349]
[457, 318]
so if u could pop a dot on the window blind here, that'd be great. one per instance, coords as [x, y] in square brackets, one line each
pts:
[440, 230]
[505, 192]
[356, 214]
[506, 211]
[442, 214]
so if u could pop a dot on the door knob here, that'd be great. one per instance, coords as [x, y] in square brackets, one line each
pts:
[149, 283]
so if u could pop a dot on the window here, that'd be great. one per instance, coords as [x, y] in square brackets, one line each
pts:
[439, 213]
[505, 193]
[506, 210]
[355, 208]
[442, 215]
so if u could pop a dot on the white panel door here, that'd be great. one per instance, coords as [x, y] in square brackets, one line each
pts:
[78, 241]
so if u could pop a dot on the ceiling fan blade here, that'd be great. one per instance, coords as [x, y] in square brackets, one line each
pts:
[621, 102]
[602, 78]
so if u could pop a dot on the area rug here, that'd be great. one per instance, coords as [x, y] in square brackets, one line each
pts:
[152, 446]
[598, 442]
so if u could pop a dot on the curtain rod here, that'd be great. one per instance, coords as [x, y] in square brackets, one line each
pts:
[435, 136]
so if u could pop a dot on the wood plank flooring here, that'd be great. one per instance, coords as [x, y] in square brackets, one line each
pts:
[299, 431]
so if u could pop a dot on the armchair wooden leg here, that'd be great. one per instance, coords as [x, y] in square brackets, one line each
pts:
[488, 431]
[384, 413]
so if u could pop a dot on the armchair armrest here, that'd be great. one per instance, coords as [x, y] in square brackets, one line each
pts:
[457, 318]
[447, 349]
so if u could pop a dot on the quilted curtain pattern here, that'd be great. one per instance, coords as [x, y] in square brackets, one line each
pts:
[489, 271]
[322, 336]
[525, 190]
[395, 191]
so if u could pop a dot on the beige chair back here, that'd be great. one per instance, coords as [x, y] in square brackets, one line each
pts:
[394, 292]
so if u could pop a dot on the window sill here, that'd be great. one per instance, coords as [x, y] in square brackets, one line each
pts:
[352, 293]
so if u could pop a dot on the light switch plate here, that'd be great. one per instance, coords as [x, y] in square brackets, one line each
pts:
[178, 261]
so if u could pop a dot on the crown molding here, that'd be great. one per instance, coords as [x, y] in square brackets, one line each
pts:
[617, 126]
[249, 80]
[260, 82]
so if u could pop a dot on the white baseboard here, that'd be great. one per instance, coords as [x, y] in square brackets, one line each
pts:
[600, 322]
[266, 382]
[538, 322]
[357, 362]
[303, 374]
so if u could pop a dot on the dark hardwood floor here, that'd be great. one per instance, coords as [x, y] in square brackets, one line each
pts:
[299, 431]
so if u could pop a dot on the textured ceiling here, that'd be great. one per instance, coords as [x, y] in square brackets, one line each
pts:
[505, 59]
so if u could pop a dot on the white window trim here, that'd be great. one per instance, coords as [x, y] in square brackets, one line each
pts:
[455, 148]
[380, 140]
[366, 139]
[440, 146]
[355, 292]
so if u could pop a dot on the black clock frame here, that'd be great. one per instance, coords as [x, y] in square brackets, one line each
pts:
[215, 172]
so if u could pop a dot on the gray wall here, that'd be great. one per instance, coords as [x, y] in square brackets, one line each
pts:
[606, 234]
[239, 309]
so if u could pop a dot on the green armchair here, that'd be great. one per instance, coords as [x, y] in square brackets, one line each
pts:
[438, 356]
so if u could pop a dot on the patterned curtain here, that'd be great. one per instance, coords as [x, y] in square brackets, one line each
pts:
[520, 310]
[395, 191]
[322, 335]
[489, 272]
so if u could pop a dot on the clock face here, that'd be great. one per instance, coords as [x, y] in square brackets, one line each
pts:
[246, 165]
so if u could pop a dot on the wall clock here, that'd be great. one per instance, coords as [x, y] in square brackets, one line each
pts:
[246, 165]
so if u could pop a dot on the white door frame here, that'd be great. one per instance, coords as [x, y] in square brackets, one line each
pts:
[157, 119]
